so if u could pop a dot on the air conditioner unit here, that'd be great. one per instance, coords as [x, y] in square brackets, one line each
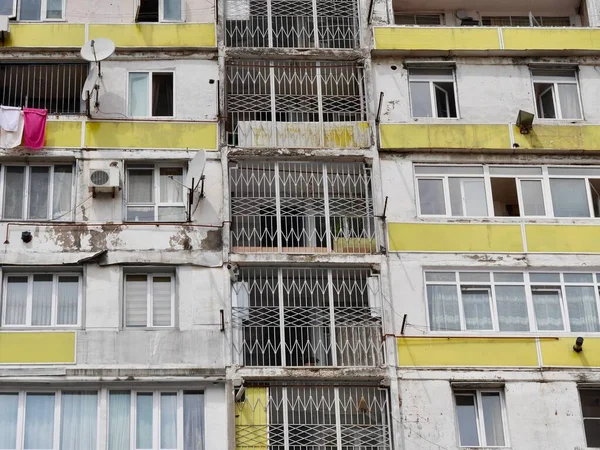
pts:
[4, 26]
[103, 177]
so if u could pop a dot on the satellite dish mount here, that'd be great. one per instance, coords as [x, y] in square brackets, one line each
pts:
[194, 180]
[96, 51]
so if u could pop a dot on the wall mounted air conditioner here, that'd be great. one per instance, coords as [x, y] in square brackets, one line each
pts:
[4, 25]
[103, 177]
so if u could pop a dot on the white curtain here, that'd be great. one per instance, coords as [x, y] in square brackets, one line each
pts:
[492, 417]
[39, 181]
[193, 421]
[138, 94]
[512, 308]
[443, 308]
[119, 421]
[467, 197]
[168, 421]
[569, 101]
[54, 9]
[533, 198]
[583, 313]
[476, 307]
[41, 302]
[161, 297]
[546, 305]
[569, 197]
[136, 300]
[172, 10]
[171, 189]
[39, 421]
[68, 300]
[61, 194]
[78, 421]
[9, 404]
[14, 191]
[16, 300]
[143, 423]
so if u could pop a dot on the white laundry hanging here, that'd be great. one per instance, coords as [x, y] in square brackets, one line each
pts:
[9, 117]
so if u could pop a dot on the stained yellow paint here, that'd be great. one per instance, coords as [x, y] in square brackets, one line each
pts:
[563, 238]
[46, 35]
[540, 38]
[433, 237]
[560, 137]
[440, 136]
[559, 352]
[167, 135]
[63, 134]
[491, 352]
[251, 420]
[37, 348]
[436, 38]
[347, 136]
[188, 35]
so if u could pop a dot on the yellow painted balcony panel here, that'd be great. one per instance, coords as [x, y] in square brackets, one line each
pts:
[559, 353]
[45, 35]
[436, 38]
[442, 136]
[433, 237]
[554, 39]
[63, 133]
[180, 35]
[559, 137]
[163, 135]
[37, 348]
[467, 352]
[563, 238]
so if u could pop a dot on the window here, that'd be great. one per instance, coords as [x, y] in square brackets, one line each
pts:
[418, 19]
[151, 94]
[432, 93]
[556, 94]
[155, 193]
[159, 11]
[49, 420]
[590, 405]
[480, 417]
[513, 301]
[525, 21]
[152, 420]
[35, 10]
[149, 300]
[41, 299]
[8, 8]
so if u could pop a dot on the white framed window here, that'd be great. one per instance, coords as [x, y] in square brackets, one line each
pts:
[65, 420]
[513, 301]
[590, 408]
[41, 299]
[8, 8]
[155, 420]
[557, 94]
[480, 417]
[155, 193]
[433, 93]
[508, 191]
[40, 10]
[418, 19]
[149, 299]
[159, 11]
[32, 192]
[151, 94]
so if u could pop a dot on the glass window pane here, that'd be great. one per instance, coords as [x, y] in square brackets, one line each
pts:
[162, 94]
[476, 307]
[467, 197]
[575, 171]
[171, 189]
[492, 418]
[193, 421]
[16, 301]
[162, 295]
[138, 94]
[441, 276]
[9, 404]
[592, 432]
[544, 277]
[79, 417]
[512, 308]
[54, 9]
[445, 101]
[467, 420]
[544, 94]
[41, 302]
[171, 213]
[474, 276]
[546, 305]
[140, 186]
[569, 101]
[119, 420]
[582, 308]
[515, 171]
[420, 99]
[6, 8]
[431, 197]
[443, 308]
[508, 277]
[533, 198]
[30, 9]
[136, 300]
[168, 421]
[39, 182]
[140, 213]
[578, 278]
[172, 9]
[569, 197]
[68, 301]
[590, 402]
[143, 421]
[39, 421]
[449, 170]
[14, 192]
[62, 192]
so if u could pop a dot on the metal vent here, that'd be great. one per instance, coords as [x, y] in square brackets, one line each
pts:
[99, 177]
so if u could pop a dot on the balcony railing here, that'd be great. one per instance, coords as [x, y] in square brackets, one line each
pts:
[55, 87]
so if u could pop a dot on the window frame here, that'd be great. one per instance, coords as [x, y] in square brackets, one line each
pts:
[477, 394]
[555, 82]
[432, 80]
[528, 286]
[29, 300]
[43, 12]
[150, 299]
[150, 73]
[156, 204]
[583, 417]
[15, 10]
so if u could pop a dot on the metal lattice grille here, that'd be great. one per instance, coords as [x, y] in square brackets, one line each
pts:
[292, 23]
[296, 104]
[54, 87]
[307, 317]
[301, 207]
[309, 417]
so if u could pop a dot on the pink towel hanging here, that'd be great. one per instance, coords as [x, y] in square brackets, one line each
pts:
[34, 131]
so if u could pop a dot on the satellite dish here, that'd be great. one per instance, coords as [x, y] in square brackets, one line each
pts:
[462, 14]
[97, 49]
[90, 83]
[195, 170]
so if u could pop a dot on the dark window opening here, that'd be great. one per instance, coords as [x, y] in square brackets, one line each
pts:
[162, 94]
[148, 11]
[505, 198]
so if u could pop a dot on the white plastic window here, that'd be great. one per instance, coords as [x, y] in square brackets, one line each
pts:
[432, 93]
[159, 11]
[149, 300]
[480, 417]
[151, 94]
[557, 94]
[36, 10]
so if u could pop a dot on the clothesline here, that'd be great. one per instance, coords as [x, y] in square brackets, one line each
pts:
[22, 126]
